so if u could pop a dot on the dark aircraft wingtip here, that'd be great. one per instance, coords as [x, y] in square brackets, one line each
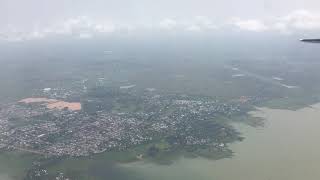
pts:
[310, 40]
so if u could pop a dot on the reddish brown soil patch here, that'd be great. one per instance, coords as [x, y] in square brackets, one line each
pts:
[54, 104]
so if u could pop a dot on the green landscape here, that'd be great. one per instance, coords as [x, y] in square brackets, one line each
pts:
[137, 110]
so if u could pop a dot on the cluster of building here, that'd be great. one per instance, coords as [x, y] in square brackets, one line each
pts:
[178, 119]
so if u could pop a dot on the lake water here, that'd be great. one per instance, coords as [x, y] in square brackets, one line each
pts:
[286, 148]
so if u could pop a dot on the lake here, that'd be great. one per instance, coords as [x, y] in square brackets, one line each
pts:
[285, 148]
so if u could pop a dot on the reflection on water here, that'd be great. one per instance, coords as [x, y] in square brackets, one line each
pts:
[286, 148]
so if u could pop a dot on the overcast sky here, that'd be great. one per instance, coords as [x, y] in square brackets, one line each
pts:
[84, 18]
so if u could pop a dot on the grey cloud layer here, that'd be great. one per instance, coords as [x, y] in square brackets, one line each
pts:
[22, 20]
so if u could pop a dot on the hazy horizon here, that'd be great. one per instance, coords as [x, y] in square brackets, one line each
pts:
[20, 21]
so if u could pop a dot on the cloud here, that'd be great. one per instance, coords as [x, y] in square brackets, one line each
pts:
[85, 27]
[280, 26]
[250, 25]
[83, 24]
[205, 22]
[194, 28]
[85, 35]
[295, 21]
[81, 27]
[200, 23]
[10, 33]
[168, 24]
[301, 20]
[106, 28]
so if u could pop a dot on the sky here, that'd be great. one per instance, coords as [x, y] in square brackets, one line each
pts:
[32, 19]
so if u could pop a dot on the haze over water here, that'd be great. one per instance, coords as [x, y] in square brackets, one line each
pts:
[286, 148]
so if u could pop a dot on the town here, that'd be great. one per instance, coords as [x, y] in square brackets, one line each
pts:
[106, 123]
